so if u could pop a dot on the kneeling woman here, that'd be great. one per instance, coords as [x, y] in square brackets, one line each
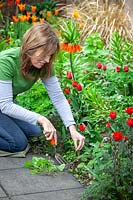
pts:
[20, 68]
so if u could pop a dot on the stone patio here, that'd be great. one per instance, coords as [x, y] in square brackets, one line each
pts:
[17, 183]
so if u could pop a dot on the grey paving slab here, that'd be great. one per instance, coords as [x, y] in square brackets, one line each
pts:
[61, 195]
[2, 193]
[20, 181]
[9, 162]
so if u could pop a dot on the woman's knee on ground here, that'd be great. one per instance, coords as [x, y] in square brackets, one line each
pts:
[20, 145]
[13, 146]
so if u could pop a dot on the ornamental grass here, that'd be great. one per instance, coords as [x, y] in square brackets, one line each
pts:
[105, 18]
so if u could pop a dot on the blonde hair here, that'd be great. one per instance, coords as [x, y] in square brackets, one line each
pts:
[38, 36]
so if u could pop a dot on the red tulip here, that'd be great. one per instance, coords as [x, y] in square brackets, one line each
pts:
[99, 65]
[125, 138]
[67, 90]
[17, 2]
[104, 67]
[129, 122]
[108, 125]
[79, 87]
[74, 84]
[118, 69]
[69, 75]
[112, 115]
[69, 100]
[129, 110]
[10, 3]
[126, 69]
[82, 127]
[117, 136]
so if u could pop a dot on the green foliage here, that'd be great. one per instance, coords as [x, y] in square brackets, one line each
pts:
[48, 5]
[121, 51]
[109, 182]
[120, 83]
[94, 50]
[111, 165]
[102, 90]
[70, 32]
[42, 166]
[42, 8]
[18, 29]
[1, 16]
[15, 32]
[120, 102]
[6, 32]
[36, 99]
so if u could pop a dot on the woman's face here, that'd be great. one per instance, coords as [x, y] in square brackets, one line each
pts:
[37, 61]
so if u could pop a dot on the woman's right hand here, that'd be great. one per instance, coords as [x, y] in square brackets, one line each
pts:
[48, 129]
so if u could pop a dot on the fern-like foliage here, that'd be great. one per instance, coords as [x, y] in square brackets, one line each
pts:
[121, 51]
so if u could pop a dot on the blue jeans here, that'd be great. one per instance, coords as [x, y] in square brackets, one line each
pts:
[14, 133]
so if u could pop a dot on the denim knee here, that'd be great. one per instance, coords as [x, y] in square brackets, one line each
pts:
[17, 146]
[13, 138]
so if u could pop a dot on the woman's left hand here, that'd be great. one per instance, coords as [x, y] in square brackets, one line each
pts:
[78, 139]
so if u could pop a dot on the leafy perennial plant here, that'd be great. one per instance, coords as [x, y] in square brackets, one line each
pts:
[112, 171]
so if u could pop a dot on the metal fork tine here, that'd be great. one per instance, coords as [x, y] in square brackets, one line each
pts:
[59, 159]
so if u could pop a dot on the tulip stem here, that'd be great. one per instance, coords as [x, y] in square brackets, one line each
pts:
[71, 65]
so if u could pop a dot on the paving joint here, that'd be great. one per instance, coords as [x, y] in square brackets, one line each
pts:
[67, 189]
[11, 168]
[7, 195]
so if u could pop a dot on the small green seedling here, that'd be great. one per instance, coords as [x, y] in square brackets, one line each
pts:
[43, 166]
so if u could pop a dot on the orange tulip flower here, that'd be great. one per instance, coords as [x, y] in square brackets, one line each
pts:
[34, 18]
[42, 20]
[1, 4]
[23, 18]
[49, 14]
[33, 8]
[76, 14]
[21, 7]
[28, 14]
[56, 12]
[27, 18]
[15, 19]
[8, 40]
[81, 25]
